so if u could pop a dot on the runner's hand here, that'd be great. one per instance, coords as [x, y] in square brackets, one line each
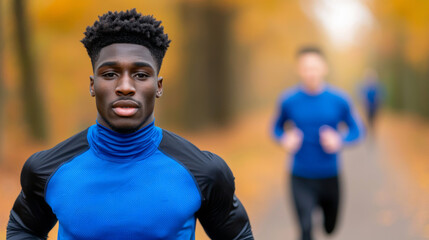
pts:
[292, 140]
[330, 139]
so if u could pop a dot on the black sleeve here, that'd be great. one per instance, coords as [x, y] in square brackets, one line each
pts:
[222, 215]
[31, 217]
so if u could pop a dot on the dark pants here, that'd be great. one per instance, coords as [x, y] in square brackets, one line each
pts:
[311, 193]
[371, 114]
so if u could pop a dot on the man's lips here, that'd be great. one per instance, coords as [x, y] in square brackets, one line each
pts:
[125, 112]
[125, 108]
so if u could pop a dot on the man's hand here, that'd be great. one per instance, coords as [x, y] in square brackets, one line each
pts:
[330, 139]
[292, 140]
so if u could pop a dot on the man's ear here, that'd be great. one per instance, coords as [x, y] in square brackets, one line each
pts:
[91, 86]
[160, 89]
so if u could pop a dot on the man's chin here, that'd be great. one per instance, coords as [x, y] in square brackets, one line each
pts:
[125, 127]
[125, 130]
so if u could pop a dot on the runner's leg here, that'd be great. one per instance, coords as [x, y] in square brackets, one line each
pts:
[329, 202]
[305, 200]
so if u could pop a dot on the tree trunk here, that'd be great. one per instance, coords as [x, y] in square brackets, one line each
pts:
[31, 97]
[1, 82]
[206, 82]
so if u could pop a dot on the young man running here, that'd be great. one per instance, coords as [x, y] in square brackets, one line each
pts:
[124, 177]
[315, 109]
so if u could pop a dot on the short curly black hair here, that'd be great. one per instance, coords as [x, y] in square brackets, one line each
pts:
[126, 27]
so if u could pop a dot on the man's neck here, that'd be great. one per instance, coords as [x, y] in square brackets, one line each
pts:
[313, 90]
[100, 120]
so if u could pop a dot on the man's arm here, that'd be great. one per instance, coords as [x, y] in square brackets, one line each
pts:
[31, 217]
[222, 215]
[291, 140]
[278, 128]
[354, 124]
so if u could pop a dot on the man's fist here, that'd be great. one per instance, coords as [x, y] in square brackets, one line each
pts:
[292, 140]
[330, 139]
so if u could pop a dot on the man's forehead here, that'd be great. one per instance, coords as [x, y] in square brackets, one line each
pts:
[311, 58]
[126, 51]
[311, 55]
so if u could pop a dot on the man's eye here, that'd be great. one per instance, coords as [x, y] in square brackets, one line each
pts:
[109, 75]
[141, 75]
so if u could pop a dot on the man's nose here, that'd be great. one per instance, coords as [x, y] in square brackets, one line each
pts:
[125, 86]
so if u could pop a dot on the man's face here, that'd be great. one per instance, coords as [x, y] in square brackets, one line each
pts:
[312, 70]
[125, 85]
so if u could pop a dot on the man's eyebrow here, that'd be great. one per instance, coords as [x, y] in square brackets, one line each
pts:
[107, 64]
[136, 64]
[142, 64]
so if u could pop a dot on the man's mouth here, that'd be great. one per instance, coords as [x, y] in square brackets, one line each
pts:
[125, 108]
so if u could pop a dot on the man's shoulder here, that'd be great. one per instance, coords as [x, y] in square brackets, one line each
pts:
[182, 149]
[44, 161]
[290, 93]
[338, 94]
[206, 167]
[41, 165]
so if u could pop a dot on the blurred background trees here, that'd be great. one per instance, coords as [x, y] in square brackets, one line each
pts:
[206, 65]
[1, 82]
[227, 57]
[401, 52]
[34, 115]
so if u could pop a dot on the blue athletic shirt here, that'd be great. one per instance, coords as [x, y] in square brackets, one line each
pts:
[372, 93]
[147, 185]
[308, 113]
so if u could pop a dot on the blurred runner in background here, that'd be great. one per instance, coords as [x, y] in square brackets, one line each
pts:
[372, 96]
[314, 110]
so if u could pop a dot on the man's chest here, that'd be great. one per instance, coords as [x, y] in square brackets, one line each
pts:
[152, 199]
[315, 112]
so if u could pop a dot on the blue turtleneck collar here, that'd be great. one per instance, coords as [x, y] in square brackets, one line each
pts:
[114, 146]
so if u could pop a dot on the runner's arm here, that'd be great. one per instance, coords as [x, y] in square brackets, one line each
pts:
[222, 215]
[278, 128]
[31, 217]
[354, 125]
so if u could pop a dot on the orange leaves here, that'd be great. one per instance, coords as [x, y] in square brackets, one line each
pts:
[406, 21]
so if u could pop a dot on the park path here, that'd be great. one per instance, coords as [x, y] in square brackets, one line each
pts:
[381, 198]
